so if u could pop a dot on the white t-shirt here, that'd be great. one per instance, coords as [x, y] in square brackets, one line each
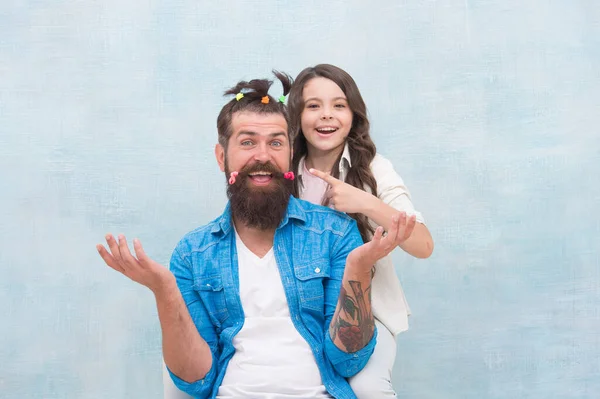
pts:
[387, 297]
[271, 358]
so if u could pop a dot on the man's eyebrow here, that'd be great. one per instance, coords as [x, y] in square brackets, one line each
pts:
[247, 133]
[277, 134]
[251, 133]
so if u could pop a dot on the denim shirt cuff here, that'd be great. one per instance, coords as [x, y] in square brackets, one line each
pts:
[202, 386]
[348, 364]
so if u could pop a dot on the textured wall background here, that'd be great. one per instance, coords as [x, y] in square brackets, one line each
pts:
[489, 109]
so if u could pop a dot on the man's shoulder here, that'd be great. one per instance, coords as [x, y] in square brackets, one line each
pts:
[200, 238]
[324, 228]
[324, 217]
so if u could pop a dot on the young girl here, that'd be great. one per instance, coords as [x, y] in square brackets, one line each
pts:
[337, 165]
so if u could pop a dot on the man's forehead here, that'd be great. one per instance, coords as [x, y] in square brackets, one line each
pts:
[258, 123]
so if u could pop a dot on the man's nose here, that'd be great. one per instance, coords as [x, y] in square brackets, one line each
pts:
[262, 153]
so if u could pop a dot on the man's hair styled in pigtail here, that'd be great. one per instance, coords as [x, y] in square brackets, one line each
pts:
[252, 96]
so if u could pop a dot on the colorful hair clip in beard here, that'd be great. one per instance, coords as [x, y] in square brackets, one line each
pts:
[232, 177]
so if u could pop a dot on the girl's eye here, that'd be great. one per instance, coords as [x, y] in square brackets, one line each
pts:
[340, 105]
[312, 106]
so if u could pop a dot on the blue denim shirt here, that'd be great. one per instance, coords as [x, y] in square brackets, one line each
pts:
[310, 245]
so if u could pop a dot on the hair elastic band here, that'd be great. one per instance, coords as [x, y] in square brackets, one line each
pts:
[232, 177]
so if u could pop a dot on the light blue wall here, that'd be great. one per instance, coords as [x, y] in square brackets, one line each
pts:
[489, 109]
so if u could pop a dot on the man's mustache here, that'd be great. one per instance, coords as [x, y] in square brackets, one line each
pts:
[266, 167]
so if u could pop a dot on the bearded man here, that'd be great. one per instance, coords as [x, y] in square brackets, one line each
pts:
[271, 299]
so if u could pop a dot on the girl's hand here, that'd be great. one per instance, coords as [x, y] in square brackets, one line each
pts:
[343, 196]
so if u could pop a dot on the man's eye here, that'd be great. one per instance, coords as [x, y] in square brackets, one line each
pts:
[276, 143]
[246, 142]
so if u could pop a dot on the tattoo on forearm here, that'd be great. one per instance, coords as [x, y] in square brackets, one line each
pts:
[353, 322]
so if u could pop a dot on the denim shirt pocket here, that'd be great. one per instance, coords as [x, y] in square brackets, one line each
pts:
[210, 289]
[310, 279]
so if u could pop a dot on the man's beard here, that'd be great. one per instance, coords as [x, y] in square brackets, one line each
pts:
[261, 207]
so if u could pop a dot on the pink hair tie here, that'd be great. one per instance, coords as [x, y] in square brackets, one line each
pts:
[289, 175]
[232, 177]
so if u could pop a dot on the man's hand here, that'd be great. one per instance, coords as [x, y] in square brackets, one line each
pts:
[142, 269]
[369, 253]
[353, 324]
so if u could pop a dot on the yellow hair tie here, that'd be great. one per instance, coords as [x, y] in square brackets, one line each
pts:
[239, 96]
[265, 100]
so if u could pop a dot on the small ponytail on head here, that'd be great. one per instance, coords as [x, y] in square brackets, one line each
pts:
[252, 96]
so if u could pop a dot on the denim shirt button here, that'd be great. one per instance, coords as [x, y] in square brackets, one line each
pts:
[317, 270]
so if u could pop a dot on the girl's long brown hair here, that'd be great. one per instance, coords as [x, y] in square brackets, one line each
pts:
[362, 149]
